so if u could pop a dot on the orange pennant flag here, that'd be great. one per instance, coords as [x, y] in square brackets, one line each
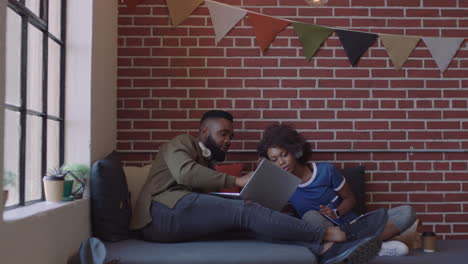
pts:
[266, 28]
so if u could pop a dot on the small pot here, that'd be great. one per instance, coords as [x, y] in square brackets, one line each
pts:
[53, 188]
[5, 196]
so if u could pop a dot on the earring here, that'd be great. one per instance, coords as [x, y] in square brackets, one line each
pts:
[299, 154]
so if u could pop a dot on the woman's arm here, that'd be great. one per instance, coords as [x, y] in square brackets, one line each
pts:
[346, 205]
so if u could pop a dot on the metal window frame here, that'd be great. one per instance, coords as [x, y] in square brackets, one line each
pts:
[41, 23]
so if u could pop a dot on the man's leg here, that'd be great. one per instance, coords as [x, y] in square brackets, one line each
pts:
[199, 215]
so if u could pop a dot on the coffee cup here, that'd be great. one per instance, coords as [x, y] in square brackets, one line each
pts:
[429, 242]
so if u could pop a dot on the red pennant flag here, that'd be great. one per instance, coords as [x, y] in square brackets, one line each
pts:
[266, 28]
[133, 3]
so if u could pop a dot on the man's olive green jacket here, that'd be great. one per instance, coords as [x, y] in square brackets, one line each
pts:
[178, 169]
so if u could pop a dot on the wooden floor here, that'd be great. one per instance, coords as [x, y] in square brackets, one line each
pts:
[448, 252]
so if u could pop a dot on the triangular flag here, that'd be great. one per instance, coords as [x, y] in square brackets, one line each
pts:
[355, 43]
[311, 37]
[443, 50]
[179, 10]
[224, 17]
[399, 47]
[266, 28]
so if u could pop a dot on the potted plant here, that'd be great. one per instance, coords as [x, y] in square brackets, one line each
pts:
[9, 180]
[54, 184]
[79, 173]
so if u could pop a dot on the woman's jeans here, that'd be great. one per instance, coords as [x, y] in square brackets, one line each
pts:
[197, 216]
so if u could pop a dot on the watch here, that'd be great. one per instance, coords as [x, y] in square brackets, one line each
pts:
[337, 213]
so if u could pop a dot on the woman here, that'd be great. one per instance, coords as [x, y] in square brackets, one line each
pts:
[324, 197]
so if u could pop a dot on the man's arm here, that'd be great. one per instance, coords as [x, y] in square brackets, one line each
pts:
[185, 170]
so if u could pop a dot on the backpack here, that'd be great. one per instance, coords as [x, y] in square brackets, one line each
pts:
[110, 200]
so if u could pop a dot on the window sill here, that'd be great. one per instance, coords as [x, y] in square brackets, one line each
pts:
[39, 209]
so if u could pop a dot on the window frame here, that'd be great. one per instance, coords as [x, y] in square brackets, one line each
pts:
[40, 23]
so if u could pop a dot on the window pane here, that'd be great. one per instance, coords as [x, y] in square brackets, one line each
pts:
[33, 158]
[13, 58]
[53, 143]
[11, 156]
[55, 17]
[33, 5]
[34, 90]
[53, 86]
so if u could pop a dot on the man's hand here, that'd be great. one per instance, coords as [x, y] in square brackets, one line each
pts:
[327, 211]
[242, 181]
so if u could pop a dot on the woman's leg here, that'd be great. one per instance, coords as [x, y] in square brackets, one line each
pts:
[399, 219]
[315, 218]
[198, 215]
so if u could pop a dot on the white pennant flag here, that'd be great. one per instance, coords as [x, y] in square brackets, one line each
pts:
[224, 17]
[443, 49]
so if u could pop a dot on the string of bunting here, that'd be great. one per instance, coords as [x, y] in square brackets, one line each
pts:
[355, 43]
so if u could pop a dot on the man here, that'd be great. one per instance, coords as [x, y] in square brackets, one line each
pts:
[174, 204]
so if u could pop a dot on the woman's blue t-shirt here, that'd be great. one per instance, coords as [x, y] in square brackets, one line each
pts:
[320, 189]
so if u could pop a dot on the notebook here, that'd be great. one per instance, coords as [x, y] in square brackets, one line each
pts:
[269, 186]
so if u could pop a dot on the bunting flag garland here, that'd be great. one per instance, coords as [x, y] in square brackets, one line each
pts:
[266, 28]
[399, 47]
[311, 37]
[443, 49]
[224, 18]
[355, 43]
[179, 10]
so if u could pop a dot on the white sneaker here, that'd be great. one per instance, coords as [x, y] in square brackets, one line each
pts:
[393, 248]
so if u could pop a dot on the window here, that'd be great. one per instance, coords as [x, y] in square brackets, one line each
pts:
[34, 96]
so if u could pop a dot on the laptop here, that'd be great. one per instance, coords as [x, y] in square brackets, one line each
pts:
[269, 186]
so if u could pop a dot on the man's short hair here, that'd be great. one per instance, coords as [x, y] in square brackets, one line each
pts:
[217, 114]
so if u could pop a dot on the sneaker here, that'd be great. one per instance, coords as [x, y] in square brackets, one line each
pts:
[359, 251]
[367, 225]
[393, 248]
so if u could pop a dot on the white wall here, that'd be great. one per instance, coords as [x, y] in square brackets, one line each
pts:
[2, 95]
[53, 236]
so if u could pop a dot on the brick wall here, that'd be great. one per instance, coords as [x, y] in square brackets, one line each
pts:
[408, 127]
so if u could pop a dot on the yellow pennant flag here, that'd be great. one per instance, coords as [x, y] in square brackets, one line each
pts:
[399, 47]
[179, 10]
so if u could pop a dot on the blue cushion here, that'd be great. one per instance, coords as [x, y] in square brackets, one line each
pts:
[206, 252]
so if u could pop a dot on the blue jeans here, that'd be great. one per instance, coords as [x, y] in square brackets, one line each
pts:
[197, 216]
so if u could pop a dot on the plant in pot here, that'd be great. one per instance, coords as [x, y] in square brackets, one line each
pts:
[58, 184]
[79, 173]
[9, 181]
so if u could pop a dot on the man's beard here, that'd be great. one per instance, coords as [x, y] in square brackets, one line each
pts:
[216, 152]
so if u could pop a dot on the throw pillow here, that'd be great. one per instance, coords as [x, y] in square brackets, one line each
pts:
[110, 201]
[136, 178]
[355, 179]
[231, 169]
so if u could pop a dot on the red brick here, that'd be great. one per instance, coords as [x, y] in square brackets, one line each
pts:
[386, 12]
[424, 197]
[420, 12]
[352, 93]
[243, 72]
[389, 93]
[371, 125]
[333, 145]
[308, 73]
[205, 52]
[223, 62]
[155, 62]
[424, 114]
[335, 83]
[261, 62]
[231, 93]
[187, 62]
[168, 52]
[376, 114]
[206, 93]
[436, 3]
[133, 114]
[335, 62]
[279, 114]
[242, 52]
[377, 187]
[444, 84]
[169, 72]
[261, 83]
[206, 72]
[279, 93]
[183, 125]
[459, 166]
[191, 83]
[379, 145]
[389, 197]
[353, 114]
[407, 187]
[133, 72]
[316, 93]
[335, 125]
[317, 114]
[169, 93]
[353, 135]
[224, 83]
[133, 135]
[389, 156]
[371, 84]
[129, 93]
[456, 114]
[456, 176]
[169, 114]
[444, 187]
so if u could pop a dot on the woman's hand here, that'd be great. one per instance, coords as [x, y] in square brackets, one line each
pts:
[327, 211]
[242, 181]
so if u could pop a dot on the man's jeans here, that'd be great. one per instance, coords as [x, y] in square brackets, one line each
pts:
[197, 216]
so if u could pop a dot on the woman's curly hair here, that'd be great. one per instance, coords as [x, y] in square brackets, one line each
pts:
[286, 137]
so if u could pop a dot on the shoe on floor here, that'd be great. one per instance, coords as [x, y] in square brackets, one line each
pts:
[367, 225]
[359, 251]
[393, 248]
